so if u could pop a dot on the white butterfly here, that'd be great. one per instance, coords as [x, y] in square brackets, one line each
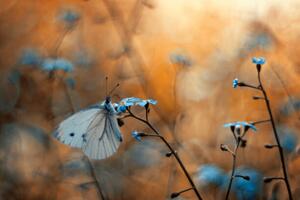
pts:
[95, 130]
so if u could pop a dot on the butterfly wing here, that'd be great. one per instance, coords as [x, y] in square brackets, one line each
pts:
[95, 130]
[103, 136]
[72, 130]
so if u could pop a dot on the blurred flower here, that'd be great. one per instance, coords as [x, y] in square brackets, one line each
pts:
[132, 101]
[180, 59]
[69, 16]
[136, 135]
[51, 64]
[210, 174]
[235, 83]
[30, 56]
[258, 61]
[246, 189]
[290, 107]
[246, 125]
[288, 139]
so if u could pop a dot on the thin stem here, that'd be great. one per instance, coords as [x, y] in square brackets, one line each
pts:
[233, 167]
[283, 165]
[183, 191]
[261, 121]
[96, 180]
[172, 151]
[249, 86]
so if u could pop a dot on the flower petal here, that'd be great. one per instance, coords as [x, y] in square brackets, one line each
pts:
[258, 61]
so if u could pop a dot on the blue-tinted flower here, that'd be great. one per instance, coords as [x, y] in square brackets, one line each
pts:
[121, 108]
[246, 189]
[30, 57]
[51, 64]
[180, 59]
[48, 64]
[136, 135]
[132, 101]
[235, 83]
[210, 174]
[288, 139]
[69, 16]
[243, 124]
[63, 64]
[258, 61]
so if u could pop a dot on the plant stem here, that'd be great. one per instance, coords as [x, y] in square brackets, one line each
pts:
[172, 151]
[283, 165]
[100, 193]
[233, 167]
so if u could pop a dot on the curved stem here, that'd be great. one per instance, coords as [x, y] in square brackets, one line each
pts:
[283, 165]
[233, 167]
[172, 151]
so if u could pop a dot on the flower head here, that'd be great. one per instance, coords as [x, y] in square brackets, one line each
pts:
[69, 16]
[51, 64]
[243, 124]
[236, 126]
[235, 83]
[258, 61]
[136, 135]
[288, 139]
[210, 174]
[30, 56]
[180, 59]
[132, 101]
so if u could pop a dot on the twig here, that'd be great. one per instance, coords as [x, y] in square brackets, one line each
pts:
[283, 165]
[93, 173]
[234, 155]
[171, 150]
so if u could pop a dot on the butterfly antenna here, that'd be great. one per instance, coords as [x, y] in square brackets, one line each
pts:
[116, 86]
[106, 85]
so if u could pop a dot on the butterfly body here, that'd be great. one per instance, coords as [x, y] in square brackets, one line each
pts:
[95, 130]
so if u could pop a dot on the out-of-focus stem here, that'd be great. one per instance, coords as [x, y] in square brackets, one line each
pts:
[93, 173]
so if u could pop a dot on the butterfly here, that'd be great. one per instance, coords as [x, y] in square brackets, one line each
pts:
[95, 130]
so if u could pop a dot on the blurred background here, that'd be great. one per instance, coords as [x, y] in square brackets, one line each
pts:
[55, 55]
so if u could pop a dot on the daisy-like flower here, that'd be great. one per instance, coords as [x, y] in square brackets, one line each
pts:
[258, 61]
[132, 101]
[136, 135]
[237, 125]
[235, 83]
